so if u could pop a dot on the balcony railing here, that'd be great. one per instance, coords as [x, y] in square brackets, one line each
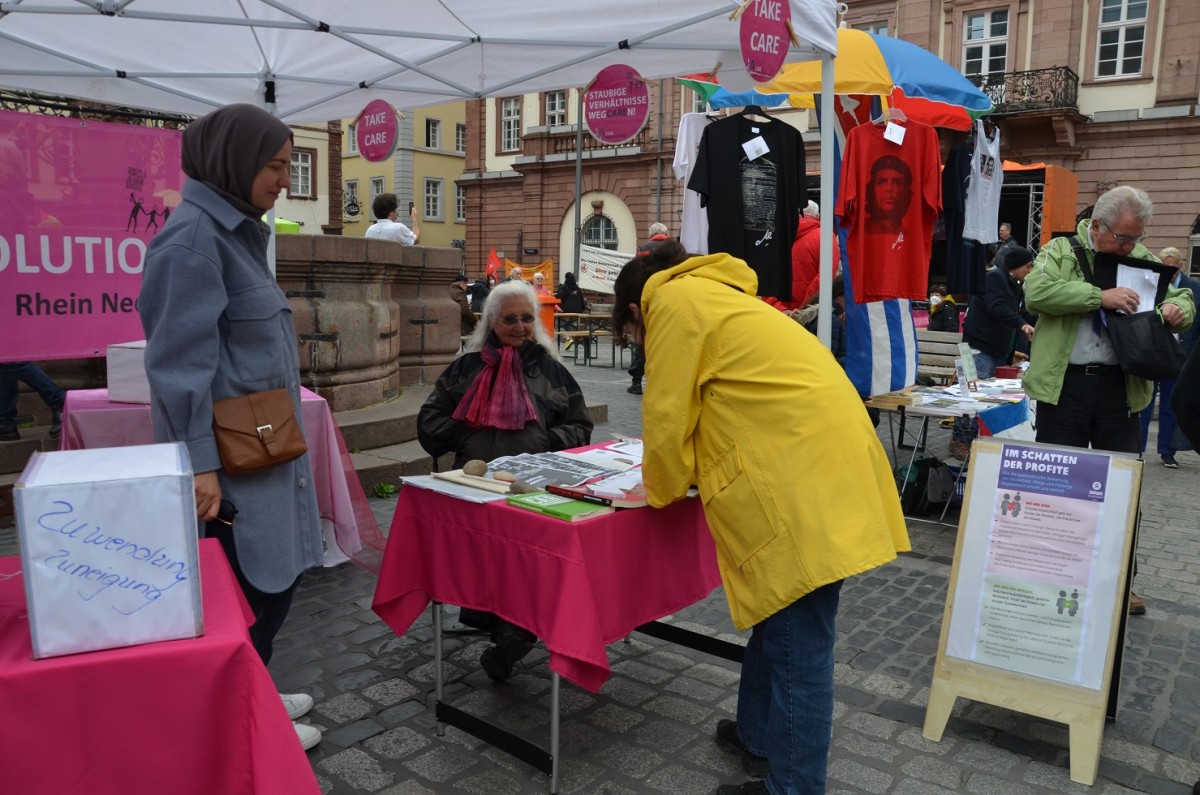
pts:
[1037, 89]
[562, 143]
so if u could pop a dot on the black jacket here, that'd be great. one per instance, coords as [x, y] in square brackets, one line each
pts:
[994, 317]
[571, 298]
[944, 316]
[563, 420]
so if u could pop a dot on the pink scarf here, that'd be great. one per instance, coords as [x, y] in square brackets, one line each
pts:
[497, 397]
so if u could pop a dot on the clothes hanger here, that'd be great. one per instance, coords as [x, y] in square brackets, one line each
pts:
[755, 113]
[890, 115]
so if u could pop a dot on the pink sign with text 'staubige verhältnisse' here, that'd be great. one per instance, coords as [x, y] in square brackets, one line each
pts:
[616, 104]
[80, 202]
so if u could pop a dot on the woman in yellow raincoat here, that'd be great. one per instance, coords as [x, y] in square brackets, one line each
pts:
[744, 403]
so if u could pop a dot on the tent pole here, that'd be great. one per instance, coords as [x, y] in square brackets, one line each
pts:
[269, 96]
[658, 163]
[578, 178]
[825, 316]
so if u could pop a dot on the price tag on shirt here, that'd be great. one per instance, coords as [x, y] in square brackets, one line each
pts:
[755, 148]
[894, 133]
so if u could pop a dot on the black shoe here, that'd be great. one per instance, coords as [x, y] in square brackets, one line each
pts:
[1169, 461]
[10, 435]
[498, 661]
[749, 788]
[727, 738]
[55, 423]
[494, 666]
[636, 389]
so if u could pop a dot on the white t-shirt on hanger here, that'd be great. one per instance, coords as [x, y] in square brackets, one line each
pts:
[693, 229]
[982, 220]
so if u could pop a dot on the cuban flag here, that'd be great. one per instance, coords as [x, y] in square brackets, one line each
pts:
[881, 338]
[1007, 421]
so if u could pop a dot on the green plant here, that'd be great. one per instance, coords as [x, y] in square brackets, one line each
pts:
[383, 490]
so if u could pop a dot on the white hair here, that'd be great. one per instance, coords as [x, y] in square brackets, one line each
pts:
[658, 228]
[1123, 200]
[490, 316]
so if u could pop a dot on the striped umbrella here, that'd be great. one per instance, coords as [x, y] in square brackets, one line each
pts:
[904, 75]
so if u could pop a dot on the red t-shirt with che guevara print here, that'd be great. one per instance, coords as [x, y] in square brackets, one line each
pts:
[889, 198]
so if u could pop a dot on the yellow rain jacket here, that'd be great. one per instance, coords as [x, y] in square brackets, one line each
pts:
[744, 403]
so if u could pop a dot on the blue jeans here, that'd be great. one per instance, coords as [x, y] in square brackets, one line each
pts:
[1166, 417]
[785, 699]
[985, 365]
[11, 374]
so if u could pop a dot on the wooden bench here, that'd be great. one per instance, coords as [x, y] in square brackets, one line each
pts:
[936, 352]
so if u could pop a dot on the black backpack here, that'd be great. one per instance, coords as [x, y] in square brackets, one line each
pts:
[925, 485]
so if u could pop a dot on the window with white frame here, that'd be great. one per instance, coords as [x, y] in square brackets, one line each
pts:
[878, 28]
[352, 139]
[985, 49]
[460, 204]
[695, 102]
[433, 134]
[510, 124]
[378, 186]
[556, 108]
[433, 199]
[351, 206]
[460, 138]
[601, 232]
[303, 185]
[1122, 38]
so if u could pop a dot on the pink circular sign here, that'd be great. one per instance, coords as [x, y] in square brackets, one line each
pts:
[617, 104]
[765, 37]
[377, 131]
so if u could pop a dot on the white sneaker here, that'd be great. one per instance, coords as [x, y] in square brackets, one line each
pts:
[308, 735]
[298, 704]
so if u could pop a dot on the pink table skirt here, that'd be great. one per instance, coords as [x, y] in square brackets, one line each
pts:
[577, 586]
[190, 716]
[90, 421]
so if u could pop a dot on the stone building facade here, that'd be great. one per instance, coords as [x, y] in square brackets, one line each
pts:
[1108, 89]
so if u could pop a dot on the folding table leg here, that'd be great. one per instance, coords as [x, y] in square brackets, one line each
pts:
[954, 491]
[436, 615]
[555, 690]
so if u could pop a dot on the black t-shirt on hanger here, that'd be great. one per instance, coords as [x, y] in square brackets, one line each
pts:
[753, 203]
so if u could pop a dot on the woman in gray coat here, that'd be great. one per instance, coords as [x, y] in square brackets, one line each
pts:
[218, 326]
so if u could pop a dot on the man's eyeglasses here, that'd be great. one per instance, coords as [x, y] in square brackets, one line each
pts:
[1124, 240]
[512, 320]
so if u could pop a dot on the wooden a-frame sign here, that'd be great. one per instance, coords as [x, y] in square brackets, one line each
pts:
[1038, 588]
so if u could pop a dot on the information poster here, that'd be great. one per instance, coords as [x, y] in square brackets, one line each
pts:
[1041, 555]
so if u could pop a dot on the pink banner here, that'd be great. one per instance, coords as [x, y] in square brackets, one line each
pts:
[79, 203]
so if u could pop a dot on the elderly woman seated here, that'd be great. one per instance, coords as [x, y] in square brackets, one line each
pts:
[507, 394]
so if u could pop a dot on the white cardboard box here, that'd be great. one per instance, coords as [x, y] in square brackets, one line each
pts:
[108, 542]
[127, 381]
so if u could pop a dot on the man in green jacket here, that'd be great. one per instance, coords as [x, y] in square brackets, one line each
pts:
[1083, 397]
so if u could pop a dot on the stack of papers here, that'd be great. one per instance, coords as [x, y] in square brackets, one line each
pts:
[611, 472]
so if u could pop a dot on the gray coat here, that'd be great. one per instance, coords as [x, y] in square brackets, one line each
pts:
[217, 325]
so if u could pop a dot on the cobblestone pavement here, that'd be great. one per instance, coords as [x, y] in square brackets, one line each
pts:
[650, 728]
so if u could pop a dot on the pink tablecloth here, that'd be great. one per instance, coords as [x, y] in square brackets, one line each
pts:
[195, 716]
[578, 586]
[90, 420]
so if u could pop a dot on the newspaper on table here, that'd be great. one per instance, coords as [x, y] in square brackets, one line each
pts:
[549, 469]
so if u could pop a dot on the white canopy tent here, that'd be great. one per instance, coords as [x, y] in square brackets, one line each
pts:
[313, 60]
